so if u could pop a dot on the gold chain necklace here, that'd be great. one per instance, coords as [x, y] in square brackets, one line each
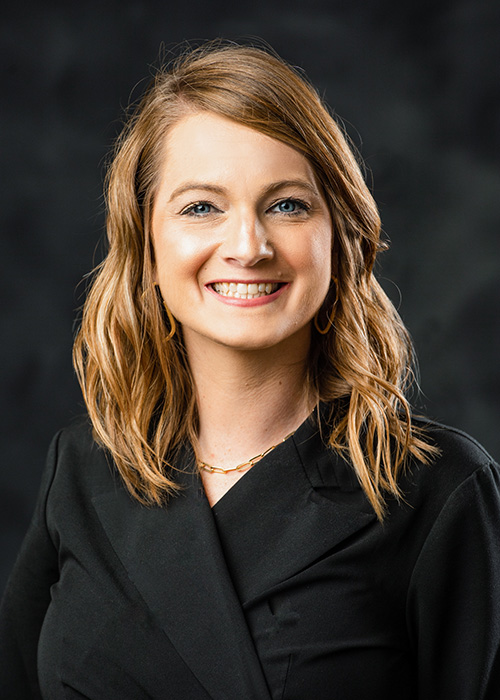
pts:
[244, 465]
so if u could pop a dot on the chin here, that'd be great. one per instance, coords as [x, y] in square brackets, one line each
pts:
[249, 343]
[265, 341]
[262, 336]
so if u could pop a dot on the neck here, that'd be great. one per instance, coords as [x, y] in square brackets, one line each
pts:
[247, 400]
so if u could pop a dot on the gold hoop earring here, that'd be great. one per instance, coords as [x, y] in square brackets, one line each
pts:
[171, 320]
[331, 316]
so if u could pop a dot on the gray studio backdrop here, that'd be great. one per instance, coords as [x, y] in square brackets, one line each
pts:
[417, 85]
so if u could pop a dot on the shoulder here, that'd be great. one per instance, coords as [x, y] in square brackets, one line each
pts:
[78, 462]
[459, 453]
[454, 440]
[76, 435]
[460, 466]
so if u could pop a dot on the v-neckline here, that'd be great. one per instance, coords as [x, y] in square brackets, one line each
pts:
[299, 501]
[302, 432]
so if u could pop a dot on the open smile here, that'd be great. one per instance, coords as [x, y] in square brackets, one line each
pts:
[241, 290]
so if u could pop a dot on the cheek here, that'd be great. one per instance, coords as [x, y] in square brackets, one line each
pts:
[314, 254]
[179, 256]
[318, 267]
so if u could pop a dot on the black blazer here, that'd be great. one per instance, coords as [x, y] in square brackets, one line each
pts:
[289, 588]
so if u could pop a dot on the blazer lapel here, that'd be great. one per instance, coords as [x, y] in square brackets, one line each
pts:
[299, 503]
[173, 557]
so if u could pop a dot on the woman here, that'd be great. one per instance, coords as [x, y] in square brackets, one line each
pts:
[254, 513]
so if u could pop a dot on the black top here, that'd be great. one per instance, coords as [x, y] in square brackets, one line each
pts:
[289, 588]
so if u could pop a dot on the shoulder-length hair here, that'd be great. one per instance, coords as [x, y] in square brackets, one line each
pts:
[138, 387]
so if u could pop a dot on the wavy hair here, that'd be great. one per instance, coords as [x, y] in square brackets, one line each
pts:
[138, 388]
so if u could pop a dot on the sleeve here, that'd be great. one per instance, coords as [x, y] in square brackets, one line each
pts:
[26, 599]
[454, 595]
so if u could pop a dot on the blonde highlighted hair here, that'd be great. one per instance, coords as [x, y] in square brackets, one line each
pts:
[138, 388]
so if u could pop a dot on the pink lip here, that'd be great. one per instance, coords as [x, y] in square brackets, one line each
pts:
[219, 280]
[260, 301]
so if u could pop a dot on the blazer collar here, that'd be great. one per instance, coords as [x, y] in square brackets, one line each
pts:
[195, 567]
[297, 504]
[173, 557]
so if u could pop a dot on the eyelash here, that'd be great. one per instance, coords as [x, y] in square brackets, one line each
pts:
[189, 211]
[302, 207]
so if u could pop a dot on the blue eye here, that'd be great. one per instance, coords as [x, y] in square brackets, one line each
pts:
[199, 209]
[290, 206]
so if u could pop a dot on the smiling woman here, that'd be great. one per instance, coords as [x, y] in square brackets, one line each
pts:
[254, 227]
[360, 370]
[254, 512]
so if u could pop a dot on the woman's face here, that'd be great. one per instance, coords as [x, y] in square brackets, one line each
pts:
[242, 236]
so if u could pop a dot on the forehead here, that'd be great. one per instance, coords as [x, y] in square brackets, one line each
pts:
[208, 146]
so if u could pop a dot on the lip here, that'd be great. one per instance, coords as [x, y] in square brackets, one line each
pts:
[260, 301]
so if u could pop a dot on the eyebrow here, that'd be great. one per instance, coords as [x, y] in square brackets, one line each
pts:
[273, 187]
[188, 186]
[304, 184]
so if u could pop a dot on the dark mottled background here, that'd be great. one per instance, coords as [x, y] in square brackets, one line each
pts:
[417, 84]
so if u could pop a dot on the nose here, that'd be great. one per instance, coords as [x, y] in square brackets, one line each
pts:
[246, 242]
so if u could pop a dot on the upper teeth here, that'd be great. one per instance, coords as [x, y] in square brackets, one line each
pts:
[240, 290]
